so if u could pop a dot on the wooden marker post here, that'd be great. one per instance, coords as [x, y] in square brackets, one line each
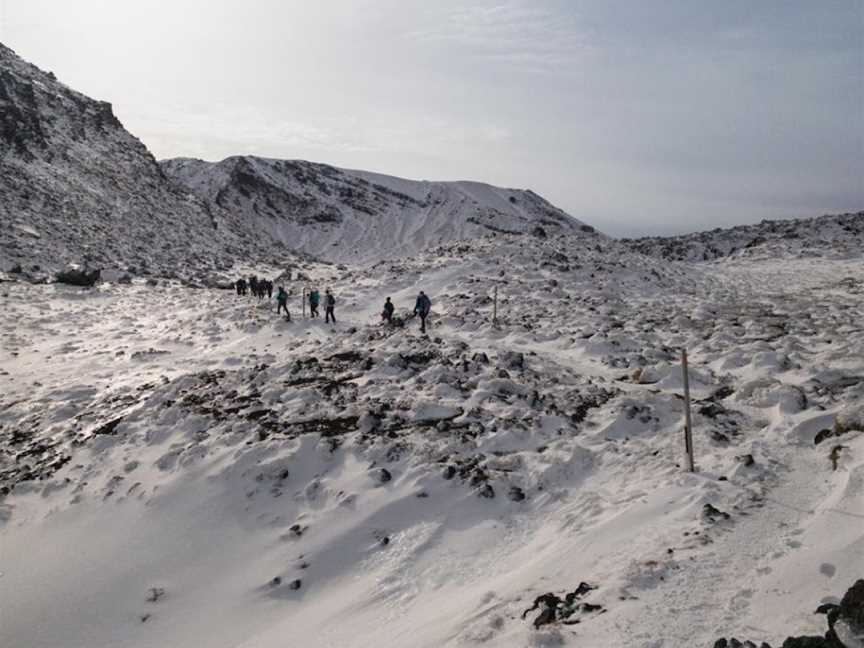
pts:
[688, 424]
[495, 308]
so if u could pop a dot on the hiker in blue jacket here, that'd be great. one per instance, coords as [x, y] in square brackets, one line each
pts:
[282, 302]
[422, 308]
[314, 300]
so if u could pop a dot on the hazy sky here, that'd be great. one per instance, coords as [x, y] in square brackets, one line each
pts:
[636, 116]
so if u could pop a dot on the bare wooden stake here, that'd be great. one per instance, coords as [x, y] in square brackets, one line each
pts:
[688, 424]
[495, 308]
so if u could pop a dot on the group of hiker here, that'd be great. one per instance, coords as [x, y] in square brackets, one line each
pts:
[422, 307]
[264, 288]
[259, 288]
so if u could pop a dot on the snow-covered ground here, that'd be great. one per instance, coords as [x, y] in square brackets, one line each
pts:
[184, 468]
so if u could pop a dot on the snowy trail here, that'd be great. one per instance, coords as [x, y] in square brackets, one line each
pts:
[756, 575]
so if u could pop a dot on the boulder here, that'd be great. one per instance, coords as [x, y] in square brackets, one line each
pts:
[77, 277]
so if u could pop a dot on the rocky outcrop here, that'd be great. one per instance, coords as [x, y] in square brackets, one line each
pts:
[839, 235]
[78, 188]
[845, 626]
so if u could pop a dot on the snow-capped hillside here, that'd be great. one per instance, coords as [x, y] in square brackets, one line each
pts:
[215, 476]
[834, 236]
[77, 187]
[357, 216]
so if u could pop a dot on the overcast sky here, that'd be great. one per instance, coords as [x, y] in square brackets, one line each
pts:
[636, 116]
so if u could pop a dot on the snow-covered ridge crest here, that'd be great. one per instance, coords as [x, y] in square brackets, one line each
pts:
[358, 216]
[831, 236]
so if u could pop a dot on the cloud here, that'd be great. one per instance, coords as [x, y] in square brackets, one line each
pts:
[513, 32]
[244, 129]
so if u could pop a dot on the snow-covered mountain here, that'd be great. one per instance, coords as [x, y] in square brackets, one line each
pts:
[357, 216]
[834, 236]
[77, 187]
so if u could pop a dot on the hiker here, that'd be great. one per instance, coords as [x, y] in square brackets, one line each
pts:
[269, 289]
[282, 302]
[314, 300]
[253, 285]
[329, 305]
[241, 286]
[422, 308]
[387, 313]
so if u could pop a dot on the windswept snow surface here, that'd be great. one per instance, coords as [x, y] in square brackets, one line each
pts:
[184, 468]
[357, 216]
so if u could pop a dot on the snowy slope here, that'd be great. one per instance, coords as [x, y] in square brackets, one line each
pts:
[835, 236]
[188, 469]
[357, 216]
[77, 187]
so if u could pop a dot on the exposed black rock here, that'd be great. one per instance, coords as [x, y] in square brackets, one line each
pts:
[844, 620]
[554, 608]
[75, 277]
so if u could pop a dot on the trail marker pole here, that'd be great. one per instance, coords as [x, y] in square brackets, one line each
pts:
[303, 297]
[688, 423]
[495, 308]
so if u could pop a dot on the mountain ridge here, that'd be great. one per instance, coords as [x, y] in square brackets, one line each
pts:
[315, 207]
[79, 189]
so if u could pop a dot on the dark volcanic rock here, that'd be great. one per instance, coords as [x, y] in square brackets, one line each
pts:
[845, 626]
[74, 277]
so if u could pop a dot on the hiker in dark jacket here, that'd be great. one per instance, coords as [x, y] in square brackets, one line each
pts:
[282, 302]
[387, 313]
[269, 289]
[422, 308]
[329, 305]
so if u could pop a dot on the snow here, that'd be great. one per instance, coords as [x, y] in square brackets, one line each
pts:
[251, 452]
